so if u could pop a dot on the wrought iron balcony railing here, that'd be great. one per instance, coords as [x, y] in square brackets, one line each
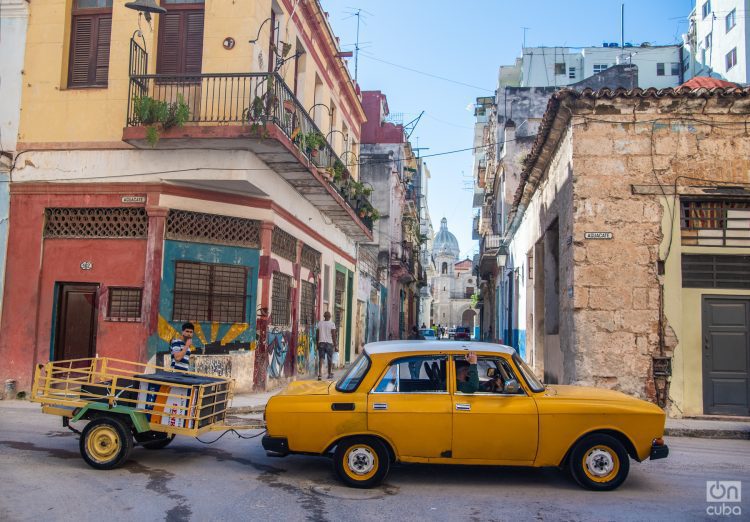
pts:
[254, 99]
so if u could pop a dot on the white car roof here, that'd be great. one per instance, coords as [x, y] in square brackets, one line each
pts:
[435, 346]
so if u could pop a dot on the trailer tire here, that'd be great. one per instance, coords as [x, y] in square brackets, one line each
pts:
[106, 443]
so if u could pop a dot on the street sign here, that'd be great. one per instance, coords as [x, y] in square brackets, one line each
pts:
[133, 199]
[598, 235]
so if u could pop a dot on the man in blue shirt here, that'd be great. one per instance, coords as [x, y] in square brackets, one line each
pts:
[180, 348]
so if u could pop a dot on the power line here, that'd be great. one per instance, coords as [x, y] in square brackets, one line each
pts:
[443, 78]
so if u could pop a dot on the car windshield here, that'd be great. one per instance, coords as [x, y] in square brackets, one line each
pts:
[350, 381]
[534, 383]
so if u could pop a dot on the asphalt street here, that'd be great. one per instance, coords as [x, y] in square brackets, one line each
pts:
[44, 478]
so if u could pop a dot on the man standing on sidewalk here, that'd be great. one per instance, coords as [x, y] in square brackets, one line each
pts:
[326, 339]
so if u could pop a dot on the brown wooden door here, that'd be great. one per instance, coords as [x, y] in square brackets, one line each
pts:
[75, 329]
[180, 38]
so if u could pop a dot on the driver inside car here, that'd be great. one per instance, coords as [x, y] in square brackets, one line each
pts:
[467, 375]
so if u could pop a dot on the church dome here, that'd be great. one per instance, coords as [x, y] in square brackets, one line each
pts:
[445, 243]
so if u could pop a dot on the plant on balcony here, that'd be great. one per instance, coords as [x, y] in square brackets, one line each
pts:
[154, 114]
[338, 170]
[312, 142]
[368, 212]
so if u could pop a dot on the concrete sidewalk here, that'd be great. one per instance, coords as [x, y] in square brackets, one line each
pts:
[708, 429]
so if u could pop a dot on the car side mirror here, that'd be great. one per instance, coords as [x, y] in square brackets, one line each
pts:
[511, 386]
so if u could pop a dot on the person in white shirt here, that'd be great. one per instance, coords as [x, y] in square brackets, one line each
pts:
[326, 339]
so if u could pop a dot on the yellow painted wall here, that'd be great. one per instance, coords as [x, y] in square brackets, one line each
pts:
[52, 114]
[682, 308]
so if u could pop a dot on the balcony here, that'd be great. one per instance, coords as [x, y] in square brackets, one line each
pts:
[489, 246]
[402, 262]
[255, 112]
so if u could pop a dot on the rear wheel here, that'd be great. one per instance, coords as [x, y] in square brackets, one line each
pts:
[361, 462]
[106, 443]
[599, 462]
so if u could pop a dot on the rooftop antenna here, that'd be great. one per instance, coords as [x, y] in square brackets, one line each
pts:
[357, 11]
[622, 26]
[524, 36]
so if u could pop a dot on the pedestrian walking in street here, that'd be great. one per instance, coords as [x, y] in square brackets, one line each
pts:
[180, 348]
[326, 340]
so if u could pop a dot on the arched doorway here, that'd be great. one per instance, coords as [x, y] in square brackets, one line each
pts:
[468, 318]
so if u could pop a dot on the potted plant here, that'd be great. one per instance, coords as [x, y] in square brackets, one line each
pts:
[313, 141]
[158, 115]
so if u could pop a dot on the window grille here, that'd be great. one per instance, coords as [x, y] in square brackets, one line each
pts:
[721, 223]
[310, 259]
[114, 222]
[715, 271]
[124, 304]
[280, 299]
[284, 244]
[210, 292]
[307, 304]
[210, 228]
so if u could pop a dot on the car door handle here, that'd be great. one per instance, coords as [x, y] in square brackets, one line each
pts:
[462, 406]
[379, 406]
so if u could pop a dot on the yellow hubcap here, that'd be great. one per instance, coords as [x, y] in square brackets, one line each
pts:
[103, 444]
[360, 462]
[601, 463]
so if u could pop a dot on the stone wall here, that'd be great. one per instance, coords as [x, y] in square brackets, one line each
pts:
[617, 291]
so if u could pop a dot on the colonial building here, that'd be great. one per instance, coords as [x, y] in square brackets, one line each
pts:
[178, 174]
[452, 281]
[628, 242]
[393, 173]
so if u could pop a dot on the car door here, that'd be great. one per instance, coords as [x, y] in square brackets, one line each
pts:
[410, 405]
[493, 425]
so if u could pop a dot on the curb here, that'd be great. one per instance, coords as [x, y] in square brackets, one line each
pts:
[707, 434]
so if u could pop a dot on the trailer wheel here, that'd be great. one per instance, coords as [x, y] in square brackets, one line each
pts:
[106, 443]
[154, 440]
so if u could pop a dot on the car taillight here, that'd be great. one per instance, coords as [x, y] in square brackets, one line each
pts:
[658, 442]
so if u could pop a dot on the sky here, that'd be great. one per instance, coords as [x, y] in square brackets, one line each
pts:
[465, 42]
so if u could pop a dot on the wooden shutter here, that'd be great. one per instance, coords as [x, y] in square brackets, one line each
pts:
[180, 41]
[90, 38]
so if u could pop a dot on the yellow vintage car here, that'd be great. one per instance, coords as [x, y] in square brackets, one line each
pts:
[424, 402]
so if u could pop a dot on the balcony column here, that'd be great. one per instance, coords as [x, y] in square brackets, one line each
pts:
[295, 293]
[260, 373]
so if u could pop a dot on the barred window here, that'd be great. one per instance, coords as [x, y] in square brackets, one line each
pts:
[210, 292]
[284, 244]
[124, 304]
[723, 223]
[280, 299]
[339, 291]
[307, 304]
[715, 271]
[310, 259]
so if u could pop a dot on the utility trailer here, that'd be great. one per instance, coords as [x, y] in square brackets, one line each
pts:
[131, 404]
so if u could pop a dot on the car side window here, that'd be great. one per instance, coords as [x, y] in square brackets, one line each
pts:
[494, 372]
[422, 374]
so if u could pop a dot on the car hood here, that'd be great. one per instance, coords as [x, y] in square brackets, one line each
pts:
[307, 388]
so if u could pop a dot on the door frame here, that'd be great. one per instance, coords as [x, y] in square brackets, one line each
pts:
[58, 312]
[704, 366]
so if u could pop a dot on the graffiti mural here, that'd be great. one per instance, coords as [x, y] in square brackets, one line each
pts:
[278, 349]
[307, 354]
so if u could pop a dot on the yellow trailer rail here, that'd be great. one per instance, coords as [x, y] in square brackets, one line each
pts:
[129, 403]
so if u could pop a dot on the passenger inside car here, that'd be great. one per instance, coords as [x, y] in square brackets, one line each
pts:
[467, 376]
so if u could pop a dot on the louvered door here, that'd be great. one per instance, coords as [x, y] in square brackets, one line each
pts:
[90, 36]
[181, 39]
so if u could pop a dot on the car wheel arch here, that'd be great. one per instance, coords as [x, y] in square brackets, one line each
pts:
[620, 436]
[391, 452]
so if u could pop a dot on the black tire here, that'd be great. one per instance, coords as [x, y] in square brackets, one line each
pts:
[361, 462]
[154, 440]
[599, 462]
[106, 443]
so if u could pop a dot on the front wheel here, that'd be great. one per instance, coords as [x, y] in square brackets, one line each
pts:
[361, 462]
[599, 462]
[106, 443]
